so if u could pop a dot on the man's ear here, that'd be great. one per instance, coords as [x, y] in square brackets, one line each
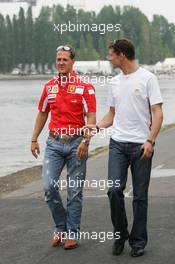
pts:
[122, 55]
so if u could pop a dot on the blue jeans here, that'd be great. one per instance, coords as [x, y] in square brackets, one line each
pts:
[56, 156]
[121, 156]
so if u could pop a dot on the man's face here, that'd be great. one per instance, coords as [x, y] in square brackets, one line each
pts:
[64, 63]
[115, 60]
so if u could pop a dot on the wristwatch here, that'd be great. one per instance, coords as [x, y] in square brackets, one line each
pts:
[151, 142]
[85, 141]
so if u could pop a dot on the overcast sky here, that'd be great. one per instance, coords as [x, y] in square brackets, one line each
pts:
[149, 7]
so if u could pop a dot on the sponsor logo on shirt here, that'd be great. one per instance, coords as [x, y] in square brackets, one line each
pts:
[55, 89]
[79, 89]
[49, 89]
[91, 91]
[71, 89]
[74, 101]
[50, 96]
[137, 92]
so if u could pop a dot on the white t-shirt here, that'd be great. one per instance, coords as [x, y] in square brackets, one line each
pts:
[132, 95]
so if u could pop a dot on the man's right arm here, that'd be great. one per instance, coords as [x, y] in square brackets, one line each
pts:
[39, 124]
[107, 120]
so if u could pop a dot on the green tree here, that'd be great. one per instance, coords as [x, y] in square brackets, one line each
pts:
[29, 37]
[3, 42]
[44, 38]
[15, 33]
[22, 37]
[25, 40]
[9, 44]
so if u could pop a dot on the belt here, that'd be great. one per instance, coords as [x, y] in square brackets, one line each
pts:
[65, 139]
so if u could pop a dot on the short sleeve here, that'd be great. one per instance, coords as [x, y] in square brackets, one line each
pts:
[111, 101]
[43, 102]
[89, 98]
[154, 93]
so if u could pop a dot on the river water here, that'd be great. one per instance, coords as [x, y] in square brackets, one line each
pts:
[18, 109]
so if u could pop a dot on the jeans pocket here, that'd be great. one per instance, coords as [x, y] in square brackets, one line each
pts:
[49, 140]
[137, 151]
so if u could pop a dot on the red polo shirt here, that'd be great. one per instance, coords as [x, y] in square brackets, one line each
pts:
[67, 104]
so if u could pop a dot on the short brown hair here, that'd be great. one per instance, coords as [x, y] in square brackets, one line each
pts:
[124, 46]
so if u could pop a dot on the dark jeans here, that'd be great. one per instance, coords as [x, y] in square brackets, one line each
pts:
[121, 156]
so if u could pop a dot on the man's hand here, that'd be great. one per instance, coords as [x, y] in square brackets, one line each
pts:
[39, 124]
[147, 151]
[82, 151]
[35, 149]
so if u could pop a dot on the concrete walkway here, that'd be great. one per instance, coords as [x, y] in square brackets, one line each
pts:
[26, 226]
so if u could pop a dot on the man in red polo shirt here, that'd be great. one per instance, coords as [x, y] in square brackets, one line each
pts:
[70, 101]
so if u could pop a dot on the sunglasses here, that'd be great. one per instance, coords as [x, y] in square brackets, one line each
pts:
[66, 48]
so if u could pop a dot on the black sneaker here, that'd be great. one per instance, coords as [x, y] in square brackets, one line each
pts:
[137, 252]
[118, 247]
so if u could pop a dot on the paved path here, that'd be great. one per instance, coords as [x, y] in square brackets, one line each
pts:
[26, 226]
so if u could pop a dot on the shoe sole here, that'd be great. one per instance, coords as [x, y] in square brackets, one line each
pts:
[137, 255]
[72, 247]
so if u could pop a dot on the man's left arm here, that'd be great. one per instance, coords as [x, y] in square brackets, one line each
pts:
[157, 121]
[90, 107]
[82, 149]
[148, 146]
[91, 120]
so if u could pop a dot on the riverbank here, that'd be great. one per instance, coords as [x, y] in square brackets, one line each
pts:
[17, 180]
[9, 77]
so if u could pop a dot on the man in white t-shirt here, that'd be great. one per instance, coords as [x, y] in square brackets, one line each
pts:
[136, 115]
